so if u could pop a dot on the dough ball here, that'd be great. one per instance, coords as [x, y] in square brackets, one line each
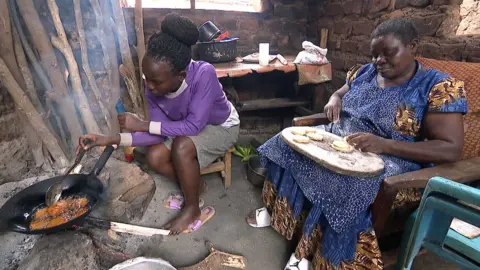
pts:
[299, 131]
[315, 136]
[309, 130]
[342, 146]
[301, 139]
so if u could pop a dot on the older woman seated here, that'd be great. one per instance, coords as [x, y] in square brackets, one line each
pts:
[410, 116]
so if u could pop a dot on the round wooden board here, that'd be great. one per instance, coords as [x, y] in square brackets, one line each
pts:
[356, 163]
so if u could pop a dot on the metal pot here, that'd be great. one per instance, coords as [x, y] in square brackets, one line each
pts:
[255, 172]
[208, 32]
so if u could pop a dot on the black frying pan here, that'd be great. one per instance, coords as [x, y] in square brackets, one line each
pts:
[16, 213]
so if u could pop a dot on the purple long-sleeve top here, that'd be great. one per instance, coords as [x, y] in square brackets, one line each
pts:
[199, 101]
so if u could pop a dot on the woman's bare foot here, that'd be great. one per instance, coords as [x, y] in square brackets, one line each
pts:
[180, 223]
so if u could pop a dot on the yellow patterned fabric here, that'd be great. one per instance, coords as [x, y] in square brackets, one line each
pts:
[367, 255]
[406, 121]
[445, 93]
[352, 73]
[407, 196]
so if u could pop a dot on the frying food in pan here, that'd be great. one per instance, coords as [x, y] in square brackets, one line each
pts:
[58, 213]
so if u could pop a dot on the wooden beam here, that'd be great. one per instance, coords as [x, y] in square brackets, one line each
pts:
[214, 167]
[141, 52]
[24, 104]
[39, 37]
[86, 65]
[272, 103]
[323, 37]
[127, 60]
[61, 43]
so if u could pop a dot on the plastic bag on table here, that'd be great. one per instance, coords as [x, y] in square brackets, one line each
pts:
[311, 55]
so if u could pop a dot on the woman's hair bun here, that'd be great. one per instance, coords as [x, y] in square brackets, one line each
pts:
[181, 28]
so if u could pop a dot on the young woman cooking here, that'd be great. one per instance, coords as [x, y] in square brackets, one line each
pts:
[191, 121]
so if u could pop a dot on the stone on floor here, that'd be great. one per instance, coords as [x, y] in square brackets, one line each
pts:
[67, 250]
[129, 190]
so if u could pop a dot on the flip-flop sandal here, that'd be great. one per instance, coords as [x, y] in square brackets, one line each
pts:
[207, 213]
[296, 264]
[176, 201]
[262, 218]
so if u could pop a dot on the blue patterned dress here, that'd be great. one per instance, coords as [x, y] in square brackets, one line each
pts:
[338, 204]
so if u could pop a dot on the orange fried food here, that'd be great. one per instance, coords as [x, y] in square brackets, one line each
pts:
[79, 203]
[58, 208]
[39, 224]
[57, 221]
[79, 212]
[58, 213]
[41, 214]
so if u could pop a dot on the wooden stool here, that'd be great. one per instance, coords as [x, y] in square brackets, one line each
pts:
[222, 165]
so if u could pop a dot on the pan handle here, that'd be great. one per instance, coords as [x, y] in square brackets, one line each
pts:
[102, 160]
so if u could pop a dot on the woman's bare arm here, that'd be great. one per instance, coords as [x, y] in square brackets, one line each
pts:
[341, 92]
[445, 135]
[334, 105]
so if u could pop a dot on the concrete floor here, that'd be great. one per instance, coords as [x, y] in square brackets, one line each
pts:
[227, 230]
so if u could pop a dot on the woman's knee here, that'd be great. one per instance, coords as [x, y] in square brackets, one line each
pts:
[157, 155]
[183, 147]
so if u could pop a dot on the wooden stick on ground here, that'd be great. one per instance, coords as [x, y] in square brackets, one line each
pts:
[127, 60]
[86, 65]
[141, 52]
[61, 43]
[50, 63]
[25, 105]
[218, 260]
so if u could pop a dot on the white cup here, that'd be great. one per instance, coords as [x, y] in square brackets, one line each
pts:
[264, 54]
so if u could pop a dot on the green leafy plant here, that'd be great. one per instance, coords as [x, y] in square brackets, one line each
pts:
[245, 152]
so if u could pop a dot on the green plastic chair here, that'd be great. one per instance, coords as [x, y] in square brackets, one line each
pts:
[429, 226]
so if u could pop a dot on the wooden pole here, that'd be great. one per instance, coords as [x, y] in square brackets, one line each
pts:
[141, 52]
[106, 48]
[127, 61]
[323, 38]
[50, 64]
[86, 65]
[23, 49]
[7, 52]
[61, 43]
[24, 104]
[111, 50]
